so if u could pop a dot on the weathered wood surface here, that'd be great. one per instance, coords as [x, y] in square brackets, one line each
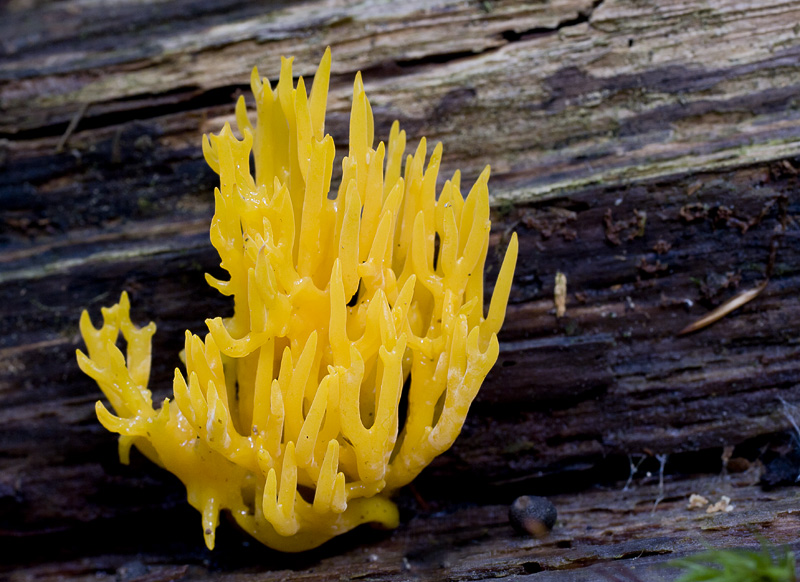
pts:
[602, 535]
[648, 150]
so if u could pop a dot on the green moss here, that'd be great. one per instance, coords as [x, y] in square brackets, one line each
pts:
[765, 565]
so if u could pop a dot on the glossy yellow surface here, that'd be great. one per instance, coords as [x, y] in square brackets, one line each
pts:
[287, 415]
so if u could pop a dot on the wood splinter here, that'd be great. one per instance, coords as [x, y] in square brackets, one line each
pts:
[732, 304]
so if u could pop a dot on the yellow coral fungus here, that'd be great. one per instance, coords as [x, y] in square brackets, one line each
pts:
[288, 413]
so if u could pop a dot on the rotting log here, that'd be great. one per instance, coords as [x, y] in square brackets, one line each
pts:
[650, 151]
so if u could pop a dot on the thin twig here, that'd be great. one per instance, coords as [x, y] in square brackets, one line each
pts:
[746, 296]
[662, 462]
[732, 304]
[633, 469]
[73, 123]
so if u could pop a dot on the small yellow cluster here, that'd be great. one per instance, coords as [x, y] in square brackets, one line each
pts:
[288, 415]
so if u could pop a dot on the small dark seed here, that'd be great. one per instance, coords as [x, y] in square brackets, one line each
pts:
[532, 515]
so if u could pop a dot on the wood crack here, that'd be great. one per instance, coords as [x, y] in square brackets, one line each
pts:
[583, 17]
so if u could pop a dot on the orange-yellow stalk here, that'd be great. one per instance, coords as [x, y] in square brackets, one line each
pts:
[341, 303]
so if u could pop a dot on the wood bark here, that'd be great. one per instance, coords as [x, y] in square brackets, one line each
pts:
[648, 150]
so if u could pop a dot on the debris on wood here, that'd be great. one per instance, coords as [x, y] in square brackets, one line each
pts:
[697, 501]
[722, 216]
[693, 212]
[560, 294]
[619, 230]
[722, 506]
[695, 186]
[550, 221]
[651, 268]
[731, 305]
[661, 247]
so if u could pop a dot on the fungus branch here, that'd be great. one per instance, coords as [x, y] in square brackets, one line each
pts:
[339, 304]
